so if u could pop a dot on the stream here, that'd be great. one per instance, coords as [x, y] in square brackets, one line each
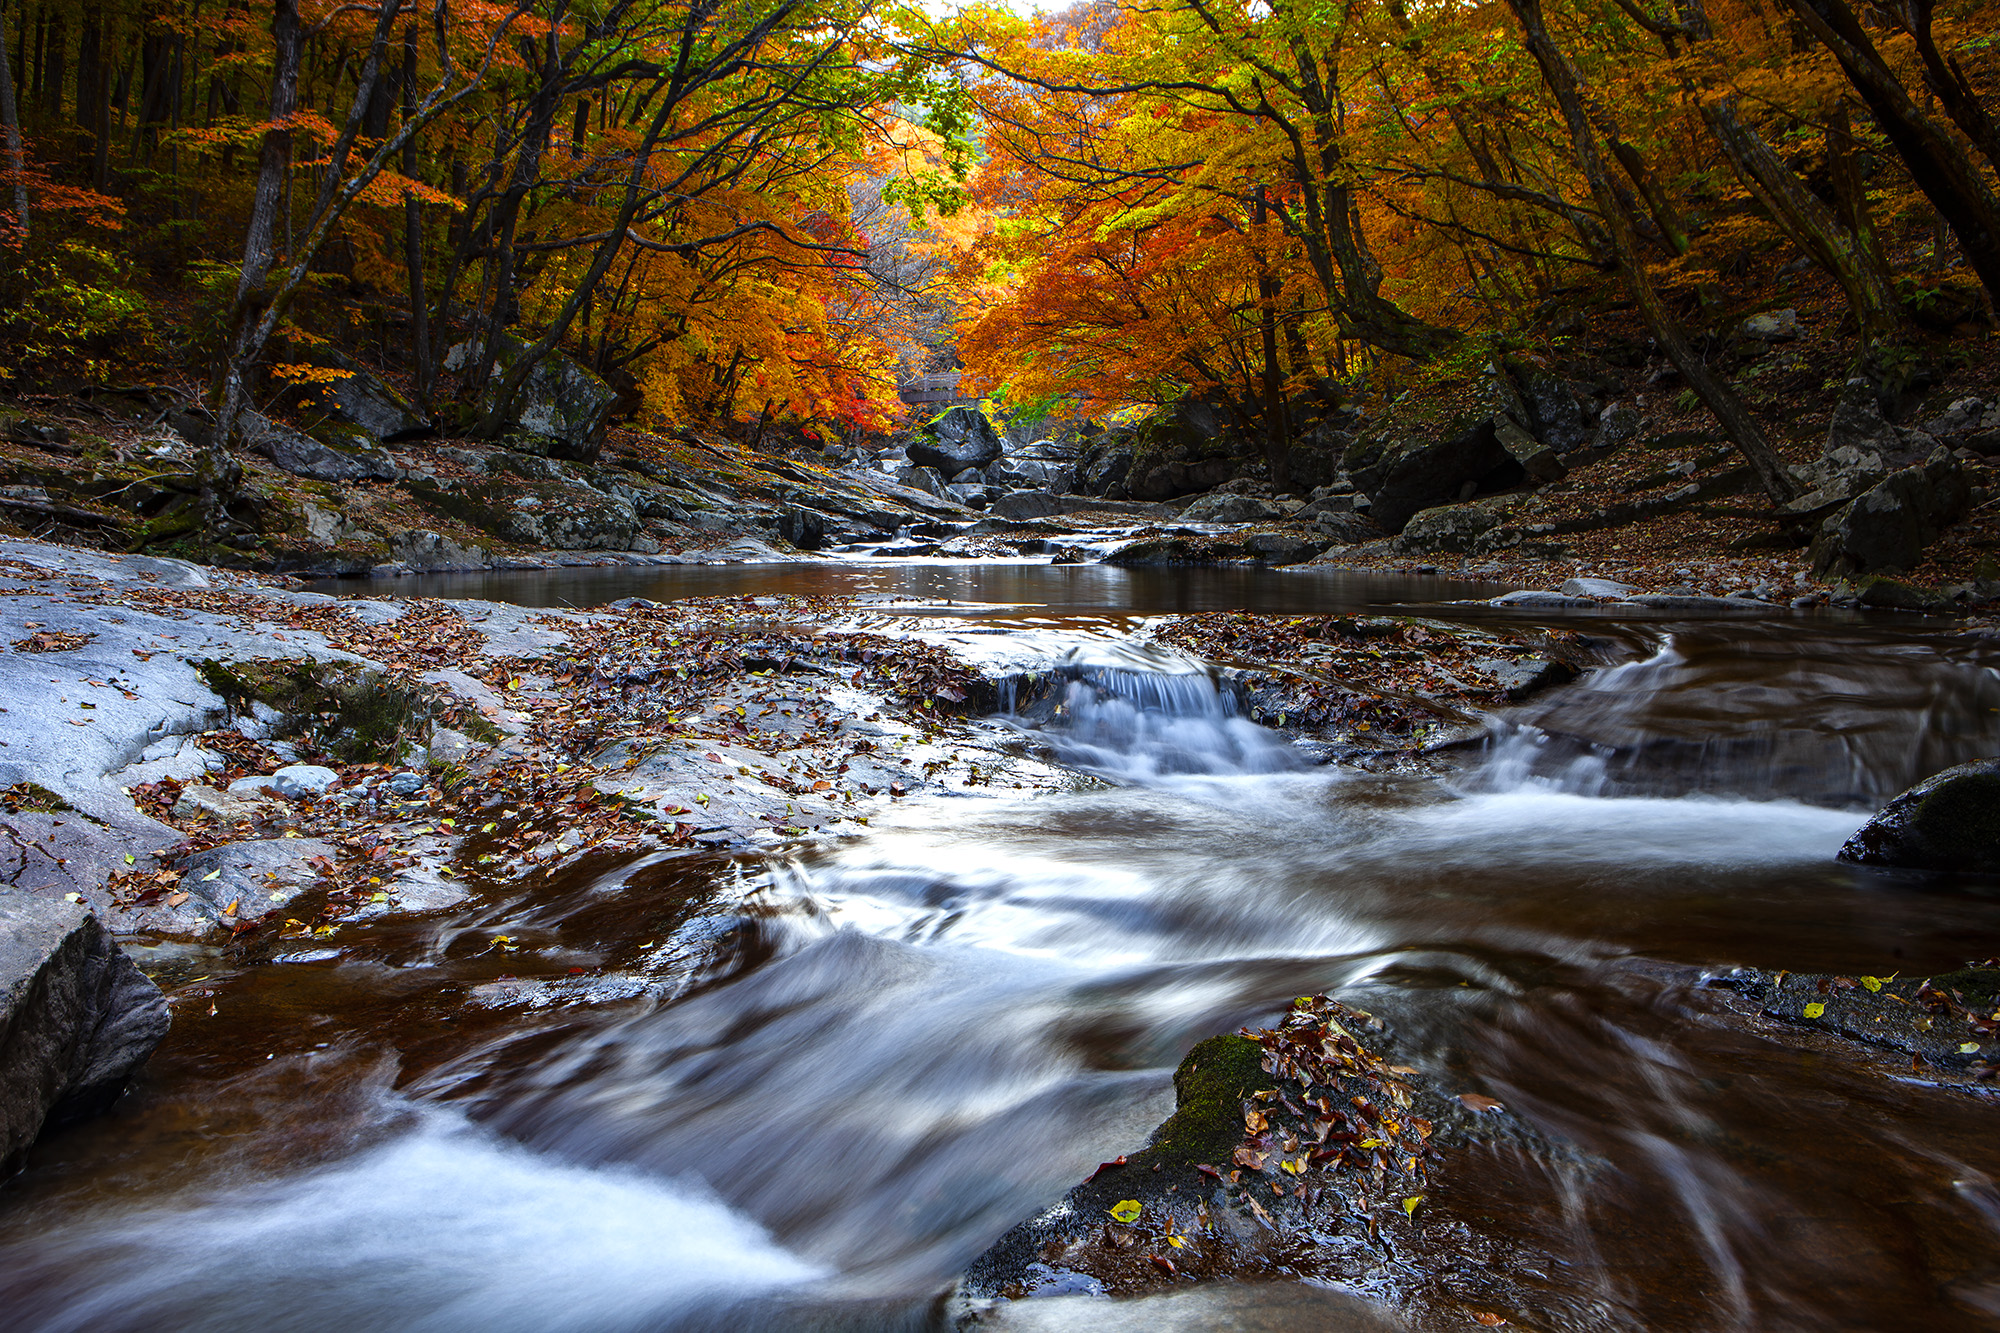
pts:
[900, 1042]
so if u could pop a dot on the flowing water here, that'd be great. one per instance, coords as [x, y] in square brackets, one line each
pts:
[803, 1093]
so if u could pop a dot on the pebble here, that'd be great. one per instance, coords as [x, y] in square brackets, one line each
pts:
[405, 784]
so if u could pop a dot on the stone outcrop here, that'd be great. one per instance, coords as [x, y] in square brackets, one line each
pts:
[956, 440]
[303, 456]
[363, 400]
[1889, 525]
[560, 409]
[1222, 507]
[1454, 528]
[77, 1019]
[1950, 821]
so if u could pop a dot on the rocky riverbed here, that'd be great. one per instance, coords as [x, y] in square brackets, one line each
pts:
[228, 773]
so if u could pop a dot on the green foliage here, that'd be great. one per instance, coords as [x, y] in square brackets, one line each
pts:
[71, 307]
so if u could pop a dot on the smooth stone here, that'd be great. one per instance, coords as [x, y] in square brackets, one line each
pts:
[1950, 821]
[1587, 587]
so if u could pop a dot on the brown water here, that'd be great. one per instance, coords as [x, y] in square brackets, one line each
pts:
[803, 1093]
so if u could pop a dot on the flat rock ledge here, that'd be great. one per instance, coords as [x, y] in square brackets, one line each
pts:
[77, 1019]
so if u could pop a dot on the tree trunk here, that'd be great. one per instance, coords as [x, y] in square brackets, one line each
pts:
[1729, 409]
[219, 472]
[1937, 164]
[413, 237]
[1277, 425]
[10, 121]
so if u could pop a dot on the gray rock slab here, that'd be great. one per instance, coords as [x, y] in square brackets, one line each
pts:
[77, 1018]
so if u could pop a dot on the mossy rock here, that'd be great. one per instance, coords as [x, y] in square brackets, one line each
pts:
[1948, 822]
[342, 710]
[1209, 1088]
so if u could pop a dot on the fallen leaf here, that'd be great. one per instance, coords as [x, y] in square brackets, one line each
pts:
[1126, 1210]
[1475, 1102]
[176, 899]
[1815, 1009]
[1486, 1319]
[1410, 1204]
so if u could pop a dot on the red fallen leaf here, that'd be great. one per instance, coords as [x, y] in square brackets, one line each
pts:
[577, 971]
[1102, 1167]
[1164, 1264]
[1207, 1170]
[1248, 1157]
[1474, 1102]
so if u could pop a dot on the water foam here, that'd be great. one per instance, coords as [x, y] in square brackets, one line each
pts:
[445, 1228]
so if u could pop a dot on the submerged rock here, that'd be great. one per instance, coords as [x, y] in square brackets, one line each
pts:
[1949, 821]
[77, 1019]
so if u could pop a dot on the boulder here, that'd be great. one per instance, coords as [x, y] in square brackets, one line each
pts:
[563, 515]
[240, 881]
[1515, 681]
[1347, 529]
[1557, 418]
[971, 496]
[925, 479]
[1103, 469]
[364, 400]
[422, 549]
[1537, 459]
[1861, 446]
[955, 440]
[561, 407]
[77, 1019]
[1284, 548]
[1889, 526]
[1773, 326]
[1616, 424]
[303, 456]
[1222, 507]
[1950, 821]
[1588, 587]
[1174, 474]
[1454, 528]
[1405, 474]
[1030, 504]
[803, 528]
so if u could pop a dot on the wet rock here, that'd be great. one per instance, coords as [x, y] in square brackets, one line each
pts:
[1454, 528]
[240, 881]
[77, 1019]
[1895, 595]
[1889, 526]
[1773, 326]
[1949, 822]
[1516, 680]
[956, 440]
[303, 456]
[1529, 597]
[560, 409]
[1222, 507]
[1537, 459]
[405, 784]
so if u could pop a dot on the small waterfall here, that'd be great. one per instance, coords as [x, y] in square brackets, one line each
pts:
[1138, 713]
[1756, 712]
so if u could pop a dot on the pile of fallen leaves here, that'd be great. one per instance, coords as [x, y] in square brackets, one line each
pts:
[1362, 674]
[1338, 1120]
[51, 640]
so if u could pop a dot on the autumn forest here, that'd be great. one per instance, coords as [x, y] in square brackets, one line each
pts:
[775, 209]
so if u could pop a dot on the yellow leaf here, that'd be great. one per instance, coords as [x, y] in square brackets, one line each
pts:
[1410, 1204]
[1872, 983]
[213, 874]
[1968, 1048]
[1815, 1009]
[73, 897]
[1293, 1168]
[1126, 1210]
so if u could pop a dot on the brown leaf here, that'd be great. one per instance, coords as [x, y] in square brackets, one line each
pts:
[1474, 1102]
